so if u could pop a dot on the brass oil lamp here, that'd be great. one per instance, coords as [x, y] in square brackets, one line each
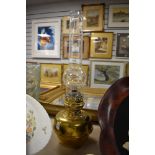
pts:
[72, 125]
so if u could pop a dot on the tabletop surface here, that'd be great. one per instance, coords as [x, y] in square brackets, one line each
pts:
[90, 147]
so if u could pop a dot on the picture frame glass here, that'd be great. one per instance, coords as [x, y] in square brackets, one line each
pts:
[46, 38]
[122, 45]
[104, 74]
[101, 45]
[75, 48]
[51, 74]
[118, 15]
[93, 17]
[66, 24]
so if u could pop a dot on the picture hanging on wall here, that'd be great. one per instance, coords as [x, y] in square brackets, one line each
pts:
[86, 47]
[66, 24]
[93, 17]
[122, 45]
[118, 15]
[104, 74]
[101, 45]
[50, 74]
[46, 38]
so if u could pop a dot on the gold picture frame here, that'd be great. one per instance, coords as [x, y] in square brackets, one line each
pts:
[85, 68]
[93, 17]
[50, 75]
[118, 15]
[101, 45]
[66, 24]
[86, 47]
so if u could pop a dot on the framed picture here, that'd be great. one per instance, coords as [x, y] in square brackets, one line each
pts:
[66, 24]
[86, 46]
[46, 38]
[101, 45]
[122, 45]
[85, 68]
[104, 74]
[94, 17]
[118, 15]
[50, 74]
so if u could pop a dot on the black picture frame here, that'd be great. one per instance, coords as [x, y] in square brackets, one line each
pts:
[122, 49]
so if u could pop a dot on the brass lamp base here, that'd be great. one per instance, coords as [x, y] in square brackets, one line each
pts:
[72, 127]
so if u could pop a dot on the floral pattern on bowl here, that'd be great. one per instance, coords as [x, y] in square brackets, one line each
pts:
[30, 125]
[38, 126]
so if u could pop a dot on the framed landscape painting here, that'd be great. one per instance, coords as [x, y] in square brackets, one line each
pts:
[101, 45]
[66, 24]
[86, 46]
[93, 17]
[46, 38]
[122, 45]
[104, 74]
[50, 74]
[118, 15]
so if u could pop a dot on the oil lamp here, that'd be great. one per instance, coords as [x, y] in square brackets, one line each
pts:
[72, 125]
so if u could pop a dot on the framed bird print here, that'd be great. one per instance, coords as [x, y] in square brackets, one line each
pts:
[46, 38]
[104, 74]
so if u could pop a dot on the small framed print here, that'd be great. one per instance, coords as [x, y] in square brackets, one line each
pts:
[122, 45]
[66, 25]
[86, 46]
[46, 38]
[50, 74]
[104, 74]
[118, 15]
[93, 17]
[101, 45]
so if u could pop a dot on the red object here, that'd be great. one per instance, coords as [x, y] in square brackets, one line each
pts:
[107, 110]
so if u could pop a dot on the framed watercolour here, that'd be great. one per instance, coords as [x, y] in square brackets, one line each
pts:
[104, 74]
[50, 74]
[122, 45]
[93, 17]
[66, 24]
[118, 15]
[86, 46]
[85, 68]
[46, 38]
[101, 45]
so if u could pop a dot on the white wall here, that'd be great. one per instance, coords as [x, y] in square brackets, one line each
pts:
[61, 9]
